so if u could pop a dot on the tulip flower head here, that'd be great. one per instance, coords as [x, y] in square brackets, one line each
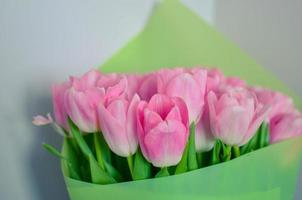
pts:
[162, 129]
[204, 139]
[86, 93]
[117, 119]
[279, 103]
[189, 85]
[58, 94]
[214, 78]
[284, 126]
[235, 115]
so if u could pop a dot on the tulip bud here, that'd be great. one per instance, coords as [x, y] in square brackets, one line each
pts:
[214, 78]
[58, 93]
[148, 86]
[118, 124]
[189, 85]
[235, 115]
[235, 82]
[162, 129]
[279, 102]
[204, 139]
[86, 93]
[284, 126]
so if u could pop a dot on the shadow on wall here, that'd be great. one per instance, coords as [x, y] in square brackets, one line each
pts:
[43, 167]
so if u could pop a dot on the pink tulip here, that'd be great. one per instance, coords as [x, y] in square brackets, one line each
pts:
[190, 85]
[235, 82]
[133, 84]
[58, 93]
[279, 103]
[214, 78]
[148, 86]
[285, 126]
[235, 115]
[86, 93]
[204, 139]
[162, 129]
[117, 119]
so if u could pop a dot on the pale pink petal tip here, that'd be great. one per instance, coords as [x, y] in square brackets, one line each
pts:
[40, 120]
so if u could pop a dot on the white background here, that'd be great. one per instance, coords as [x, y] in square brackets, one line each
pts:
[42, 42]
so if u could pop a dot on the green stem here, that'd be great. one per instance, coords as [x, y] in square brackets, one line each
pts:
[130, 164]
[216, 153]
[236, 151]
[98, 150]
[227, 153]
[163, 172]
[199, 159]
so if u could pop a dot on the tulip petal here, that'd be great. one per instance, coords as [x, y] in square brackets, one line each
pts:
[113, 132]
[140, 127]
[117, 90]
[40, 120]
[58, 93]
[160, 104]
[174, 114]
[204, 140]
[166, 143]
[255, 124]
[151, 119]
[212, 100]
[131, 124]
[183, 110]
[117, 109]
[148, 87]
[187, 88]
[80, 110]
[232, 124]
[91, 78]
[225, 101]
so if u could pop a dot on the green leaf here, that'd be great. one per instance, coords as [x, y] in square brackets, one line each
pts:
[183, 164]
[98, 150]
[263, 138]
[251, 145]
[98, 175]
[79, 138]
[162, 173]
[130, 164]
[188, 161]
[113, 172]
[106, 152]
[70, 166]
[192, 159]
[101, 152]
[53, 151]
[259, 140]
[141, 168]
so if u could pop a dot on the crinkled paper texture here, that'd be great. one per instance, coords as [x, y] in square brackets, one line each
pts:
[175, 36]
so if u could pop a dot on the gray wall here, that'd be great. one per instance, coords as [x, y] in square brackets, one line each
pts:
[44, 41]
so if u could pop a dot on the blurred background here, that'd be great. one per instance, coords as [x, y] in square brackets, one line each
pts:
[42, 42]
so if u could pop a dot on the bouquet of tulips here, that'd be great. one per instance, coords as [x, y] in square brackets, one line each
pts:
[163, 123]
[178, 133]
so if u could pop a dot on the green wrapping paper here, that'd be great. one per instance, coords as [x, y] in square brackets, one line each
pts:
[175, 36]
[269, 173]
